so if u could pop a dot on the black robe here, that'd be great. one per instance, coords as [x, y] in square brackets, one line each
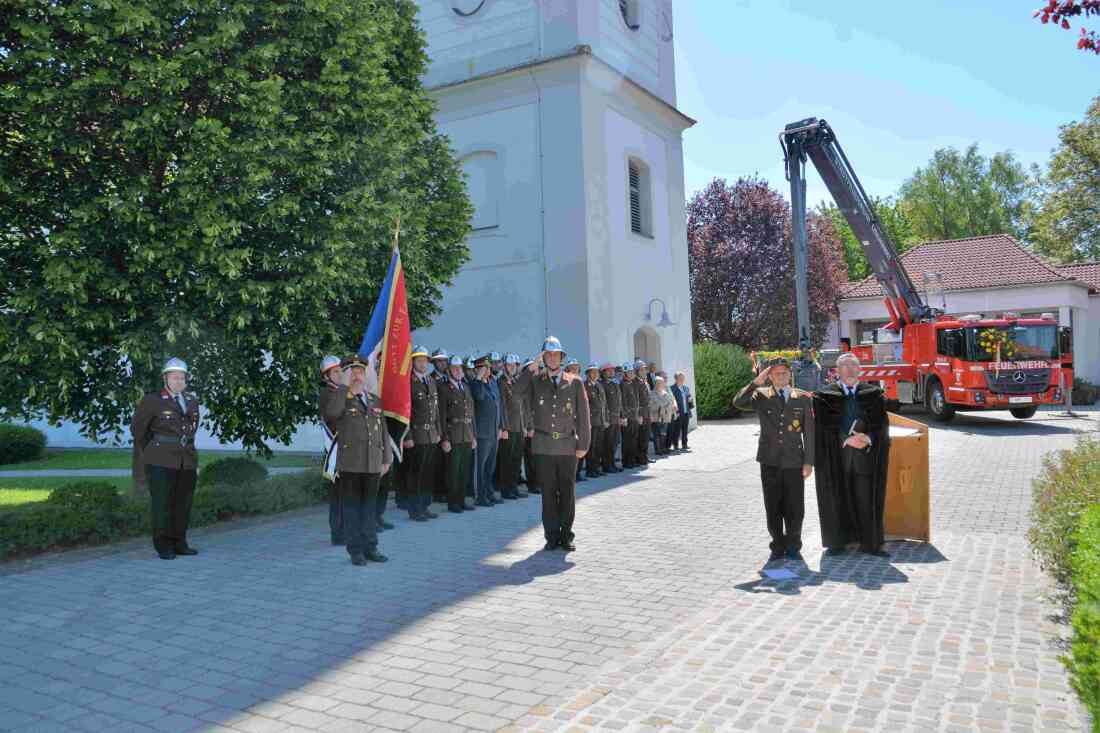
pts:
[839, 505]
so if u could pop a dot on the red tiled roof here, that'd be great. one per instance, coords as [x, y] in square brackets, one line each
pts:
[1087, 272]
[992, 261]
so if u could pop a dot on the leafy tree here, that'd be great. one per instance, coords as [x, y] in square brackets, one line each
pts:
[741, 266]
[1068, 227]
[893, 220]
[1061, 10]
[214, 181]
[965, 194]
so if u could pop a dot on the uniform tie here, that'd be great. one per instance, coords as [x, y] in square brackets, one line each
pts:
[181, 403]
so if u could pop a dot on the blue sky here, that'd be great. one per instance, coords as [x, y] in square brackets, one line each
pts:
[895, 78]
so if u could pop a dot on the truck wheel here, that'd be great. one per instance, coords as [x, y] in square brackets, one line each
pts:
[937, 402]
[1023, 413]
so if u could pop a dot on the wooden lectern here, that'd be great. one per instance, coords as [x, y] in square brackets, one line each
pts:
[908, 515]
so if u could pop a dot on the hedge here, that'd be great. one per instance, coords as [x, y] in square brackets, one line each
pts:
[237, 470]
[721, 370]
[93, 512]
[1084, 659]
[1085, 392]
[20, 443]
[1067, 485]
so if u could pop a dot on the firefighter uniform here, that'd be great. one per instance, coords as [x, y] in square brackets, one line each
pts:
[614, 401]
[165, 459]
[425, 431]
[440, 359]
[511, 448]
[786, 444]
[335, 506]
[629, 389]
[641, 384]
[457, 413]
[562, 425]
[597, 411]
[362, 458]
[530, 475]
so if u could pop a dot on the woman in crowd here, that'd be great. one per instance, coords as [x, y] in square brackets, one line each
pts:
[662, 411]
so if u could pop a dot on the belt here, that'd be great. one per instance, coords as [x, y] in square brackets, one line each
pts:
[555, 435]
[181, 440]
[463, 420]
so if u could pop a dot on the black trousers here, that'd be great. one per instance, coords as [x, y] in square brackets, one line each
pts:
[335, 515]
[557, 479]
[607, 447]
[385, 484]
[642, 443]
[630, 444]
[594, 457]
[784, 505]
[171, 492]
[419, 466]
[509, 459]
[530, 471]
[678, 432]
[359, 496]
[459, 463]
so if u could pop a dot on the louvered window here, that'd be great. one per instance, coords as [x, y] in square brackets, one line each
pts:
[635, 198]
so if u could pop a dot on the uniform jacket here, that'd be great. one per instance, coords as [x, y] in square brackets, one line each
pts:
[614, 400]
[328, 391]
[514, 421]
[597, 404]
[629, 391]
[163, 434]
[426, 423]
[662, 407]
[786, 430]
[457, 408]
[642, 387]
[358, 422]
[559, 413]
[488, 411]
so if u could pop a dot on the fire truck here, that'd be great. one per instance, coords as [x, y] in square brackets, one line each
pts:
[944, 363]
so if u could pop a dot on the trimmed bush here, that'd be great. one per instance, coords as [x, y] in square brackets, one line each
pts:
[232, 471]
[20, 443]
[721, 370]
[277, 494]
[1085, 392]
[1067, 486]
[85, 512]
[1084, 660]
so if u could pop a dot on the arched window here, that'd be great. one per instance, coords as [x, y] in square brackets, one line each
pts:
[640, 197]
[483, 185]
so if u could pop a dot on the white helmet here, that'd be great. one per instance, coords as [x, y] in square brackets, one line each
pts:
[512, 358]
[552, 344]
[175, 365]
[495, 356]
[329, 362]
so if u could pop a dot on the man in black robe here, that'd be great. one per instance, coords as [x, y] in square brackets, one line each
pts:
[853, 448]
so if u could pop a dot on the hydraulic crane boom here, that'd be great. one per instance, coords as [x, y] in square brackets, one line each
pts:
[814, 139]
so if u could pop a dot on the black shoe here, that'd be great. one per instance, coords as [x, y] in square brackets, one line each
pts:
[776, 556]
[455, 509]
[834, 551]
[581, 479]
[384, 524]
[534, 490]
[550, 545]
[469, 507]
[484, 502]
[337, 541]
[494, 500]
[567, 545]
[166, 555]
[185, 550]
[875, 553]
[794, 554]
[418, 518]
[511, 495]
[430, 514]
[358, 559]
[375, 556]
[522, 495]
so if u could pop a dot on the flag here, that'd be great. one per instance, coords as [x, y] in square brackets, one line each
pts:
[388, 344]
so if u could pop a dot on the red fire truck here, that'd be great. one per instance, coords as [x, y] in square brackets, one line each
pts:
[945, 363]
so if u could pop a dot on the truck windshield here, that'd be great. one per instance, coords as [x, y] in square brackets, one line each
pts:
[1014, 343]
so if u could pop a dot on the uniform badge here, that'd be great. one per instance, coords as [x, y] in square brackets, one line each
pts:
[569, 407]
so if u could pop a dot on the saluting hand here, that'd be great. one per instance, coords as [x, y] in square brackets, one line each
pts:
[762, 377]
[530, 433]
[504, 435]
[446, 446]
[408, 443]
[807, 469]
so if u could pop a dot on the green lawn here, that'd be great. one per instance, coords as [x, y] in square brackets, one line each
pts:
[23, 490]
[78, 458]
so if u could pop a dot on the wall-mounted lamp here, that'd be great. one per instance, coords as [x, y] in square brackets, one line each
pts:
[664, 313]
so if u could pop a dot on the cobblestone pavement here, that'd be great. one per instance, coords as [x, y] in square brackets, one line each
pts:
[659, 621]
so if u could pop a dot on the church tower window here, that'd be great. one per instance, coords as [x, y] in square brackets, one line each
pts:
[640, 198]
[483, 186]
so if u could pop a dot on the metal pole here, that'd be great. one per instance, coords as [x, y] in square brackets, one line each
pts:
[805, 374]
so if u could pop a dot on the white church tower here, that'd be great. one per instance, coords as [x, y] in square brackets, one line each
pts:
[563, 113]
